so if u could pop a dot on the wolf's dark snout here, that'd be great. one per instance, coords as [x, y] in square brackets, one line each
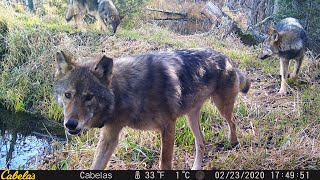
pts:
[68, 19]
[262, 56]
[71, 124]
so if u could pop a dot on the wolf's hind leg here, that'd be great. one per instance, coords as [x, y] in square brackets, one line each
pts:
[224, 102]
[194, 122]
[297, 67]
[168, 133]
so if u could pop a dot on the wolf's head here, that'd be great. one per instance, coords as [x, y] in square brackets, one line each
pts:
[115, 21]
[84, 91]
[72, 10]
[270, 45]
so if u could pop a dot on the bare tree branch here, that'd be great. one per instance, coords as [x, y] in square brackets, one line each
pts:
[167, 12]
[263, 21]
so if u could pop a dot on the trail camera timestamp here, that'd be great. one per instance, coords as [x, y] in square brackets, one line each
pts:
[290, 175]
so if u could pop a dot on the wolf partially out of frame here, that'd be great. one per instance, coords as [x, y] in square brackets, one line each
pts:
[147, 92]
[287, 41]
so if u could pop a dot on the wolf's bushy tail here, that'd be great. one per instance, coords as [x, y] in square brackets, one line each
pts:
[244, 82]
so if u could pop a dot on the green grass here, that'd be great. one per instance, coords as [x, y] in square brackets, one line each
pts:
[269, 66]
[129, 33]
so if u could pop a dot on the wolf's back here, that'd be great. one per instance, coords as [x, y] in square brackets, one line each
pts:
[289, 24]
[107, 8]
[295, 30]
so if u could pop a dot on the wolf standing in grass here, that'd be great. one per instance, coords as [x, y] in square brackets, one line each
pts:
[103, 10]
[288, 41]
[147, 92]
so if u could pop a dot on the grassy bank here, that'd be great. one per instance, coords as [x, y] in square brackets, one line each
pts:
[274, 132]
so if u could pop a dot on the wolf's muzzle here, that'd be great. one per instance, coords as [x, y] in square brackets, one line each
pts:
[262, 56]
[71, 124]
[77, 131]
[69, 18]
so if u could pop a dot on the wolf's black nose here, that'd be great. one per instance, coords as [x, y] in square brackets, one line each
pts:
[71, 124]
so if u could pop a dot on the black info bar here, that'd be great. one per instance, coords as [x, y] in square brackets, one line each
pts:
[158, 174]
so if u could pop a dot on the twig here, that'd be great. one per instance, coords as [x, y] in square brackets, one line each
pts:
[167, 12]
[171, 19]
[263, 21]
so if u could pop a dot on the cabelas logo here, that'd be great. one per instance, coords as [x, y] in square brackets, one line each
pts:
[7, 175]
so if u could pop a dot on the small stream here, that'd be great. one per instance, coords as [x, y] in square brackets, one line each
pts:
[25, 139]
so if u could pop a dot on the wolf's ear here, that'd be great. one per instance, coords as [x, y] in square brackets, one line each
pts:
[64, 63]
[273, 34]
[271, 30]
[103, 69]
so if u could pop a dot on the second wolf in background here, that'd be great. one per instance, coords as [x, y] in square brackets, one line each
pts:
[288, 41]
[103, 10]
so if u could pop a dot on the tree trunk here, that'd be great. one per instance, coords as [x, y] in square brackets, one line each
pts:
[255, 11]
[217, 16]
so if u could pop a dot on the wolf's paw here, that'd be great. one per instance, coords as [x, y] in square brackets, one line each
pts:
[234, 144]
[293, 76]
[282, 93]
[196, 167]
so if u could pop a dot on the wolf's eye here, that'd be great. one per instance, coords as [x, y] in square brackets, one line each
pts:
[67, 95]
[88, 97]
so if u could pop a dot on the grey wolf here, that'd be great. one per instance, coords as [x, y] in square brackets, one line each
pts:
[287, 41]
[147, 92]
[103, 10]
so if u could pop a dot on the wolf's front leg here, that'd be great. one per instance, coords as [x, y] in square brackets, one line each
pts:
[78, 22]
[108, 141]
[284, 63]
[102, 23]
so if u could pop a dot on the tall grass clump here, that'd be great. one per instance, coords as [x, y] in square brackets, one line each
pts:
[25, 76]
[26, 66]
